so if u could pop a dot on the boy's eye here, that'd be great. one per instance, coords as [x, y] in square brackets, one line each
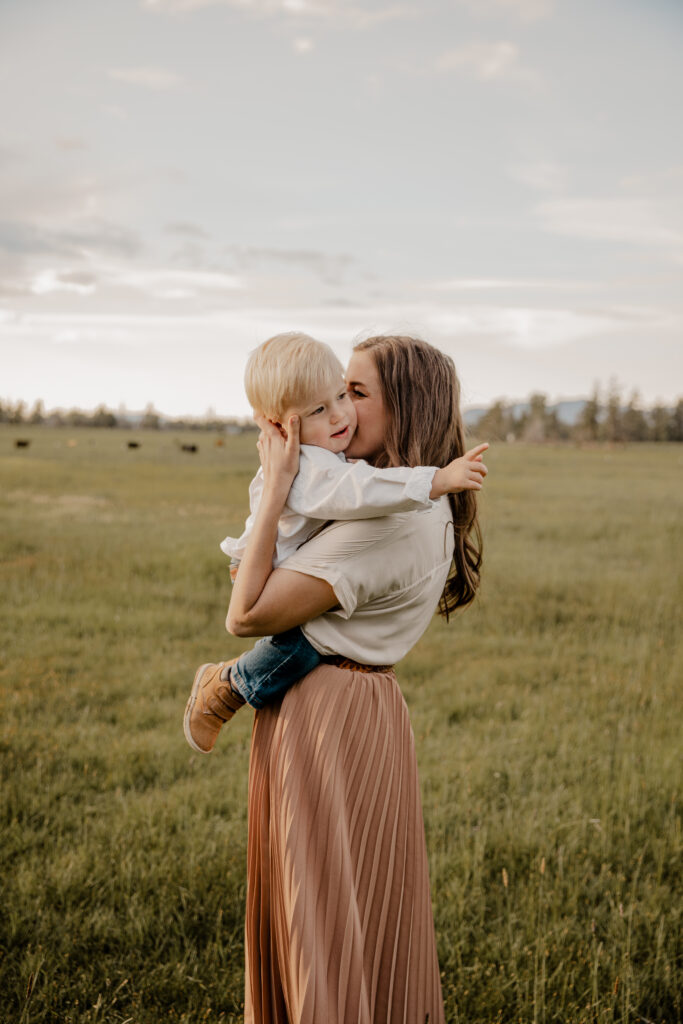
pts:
[315, 412]
[342, 395]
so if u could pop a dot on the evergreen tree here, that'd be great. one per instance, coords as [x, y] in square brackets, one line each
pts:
[588, 425]
[659, 423]
[676, 421]
[150, 420]
[17, 412]
[38, 412]
[535, 422]
[496, 423]
[612, 427]
[633, 422]
[103, 417]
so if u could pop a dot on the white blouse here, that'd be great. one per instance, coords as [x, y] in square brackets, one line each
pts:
[328, 487]
[388, 575]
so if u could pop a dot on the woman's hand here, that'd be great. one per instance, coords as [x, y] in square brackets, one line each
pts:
[464, 474]
[279, 454]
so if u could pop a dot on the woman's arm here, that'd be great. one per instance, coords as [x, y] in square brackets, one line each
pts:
[288, 599]
[264, 601]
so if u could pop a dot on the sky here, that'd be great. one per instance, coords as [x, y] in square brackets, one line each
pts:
[181, 179]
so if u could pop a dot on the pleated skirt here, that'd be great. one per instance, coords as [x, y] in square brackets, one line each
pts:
[339, 925]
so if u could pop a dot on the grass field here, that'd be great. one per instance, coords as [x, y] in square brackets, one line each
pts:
[547, 721]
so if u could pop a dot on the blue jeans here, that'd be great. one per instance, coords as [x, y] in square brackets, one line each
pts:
[267, 671]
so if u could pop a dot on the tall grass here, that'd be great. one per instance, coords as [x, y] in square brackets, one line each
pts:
[547, 721]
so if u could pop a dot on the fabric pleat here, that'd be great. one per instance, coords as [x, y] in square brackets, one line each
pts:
[339, 926]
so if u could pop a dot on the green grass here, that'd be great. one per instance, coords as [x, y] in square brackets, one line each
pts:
[547, 721]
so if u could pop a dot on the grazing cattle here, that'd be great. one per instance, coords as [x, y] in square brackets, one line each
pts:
[219, 442]
[22, 442]
[190, 448]
[133, 444]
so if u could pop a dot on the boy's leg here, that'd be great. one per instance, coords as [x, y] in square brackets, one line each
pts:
[212, 702]
[267, 671]
[258, 676]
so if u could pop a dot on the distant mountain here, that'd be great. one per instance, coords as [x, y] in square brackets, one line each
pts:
[567, 411]
[473, 415]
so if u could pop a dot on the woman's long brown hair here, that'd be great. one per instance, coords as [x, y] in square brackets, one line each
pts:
[421, 394]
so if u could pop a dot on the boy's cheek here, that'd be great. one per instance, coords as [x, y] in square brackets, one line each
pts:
[305, 434]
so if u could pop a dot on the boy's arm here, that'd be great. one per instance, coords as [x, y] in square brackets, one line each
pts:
[234, 547]
[464, 474]
[328, 488]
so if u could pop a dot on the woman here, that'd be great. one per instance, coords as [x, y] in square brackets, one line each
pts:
[339, 921]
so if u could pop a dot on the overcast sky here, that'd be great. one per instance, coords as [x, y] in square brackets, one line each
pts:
[180, 179]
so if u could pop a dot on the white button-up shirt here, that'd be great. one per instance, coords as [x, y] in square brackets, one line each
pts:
[327, 487]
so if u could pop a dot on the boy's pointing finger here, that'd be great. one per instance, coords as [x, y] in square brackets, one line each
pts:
[477, 451]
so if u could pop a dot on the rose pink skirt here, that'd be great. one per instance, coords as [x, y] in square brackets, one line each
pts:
[339, 922]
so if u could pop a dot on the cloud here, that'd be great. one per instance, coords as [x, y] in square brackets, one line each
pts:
[359, 18]
[486, 61]
[524, 327]
[639, 221]
[115, 111]
[532, 328]
[158, 282]
[26, 239]
[166, 283]
[543, 175]
[329, 267]
[70, 143]
[186, 229]
[659, 181]
[498, 284]
[156, 79]
[79, 282]
[342, 14]
[10, 155]
[526, 10]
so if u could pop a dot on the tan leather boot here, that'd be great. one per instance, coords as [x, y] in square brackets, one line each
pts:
[212, 702]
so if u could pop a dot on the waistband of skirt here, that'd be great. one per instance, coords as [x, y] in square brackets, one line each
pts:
[354, 666]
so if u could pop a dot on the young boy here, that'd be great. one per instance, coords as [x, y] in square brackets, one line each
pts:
[294, 374]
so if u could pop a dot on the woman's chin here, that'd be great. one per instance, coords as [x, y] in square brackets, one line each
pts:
[354, 450]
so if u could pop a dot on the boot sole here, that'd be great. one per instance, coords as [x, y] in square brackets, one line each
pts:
[192, 700]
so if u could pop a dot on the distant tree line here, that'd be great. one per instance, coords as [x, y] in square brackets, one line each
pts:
[599, 419]
[20, 414]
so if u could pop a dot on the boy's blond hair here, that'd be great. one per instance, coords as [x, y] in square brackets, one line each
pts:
[288, 371]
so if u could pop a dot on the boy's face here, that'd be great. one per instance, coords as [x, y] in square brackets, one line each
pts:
[328, 420]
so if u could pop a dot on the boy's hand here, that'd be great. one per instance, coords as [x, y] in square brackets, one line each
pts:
[464, 474]
[279, 453]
